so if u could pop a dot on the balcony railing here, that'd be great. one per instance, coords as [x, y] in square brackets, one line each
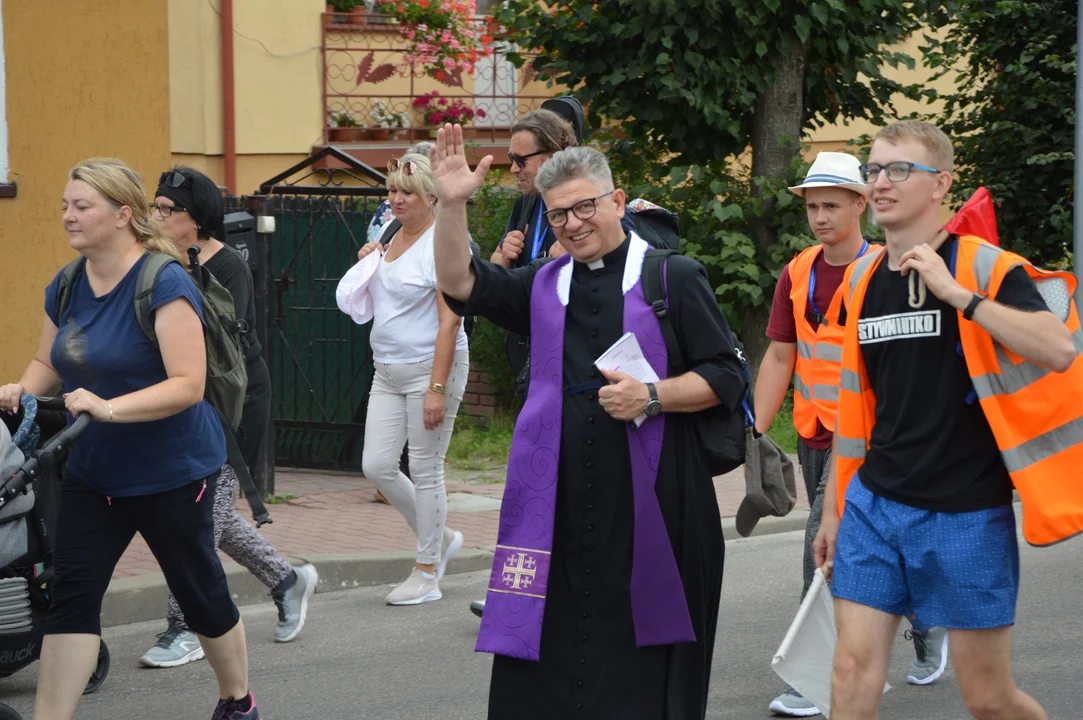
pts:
[365, 71]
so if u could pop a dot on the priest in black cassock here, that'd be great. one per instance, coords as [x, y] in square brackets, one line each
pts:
[603, 598]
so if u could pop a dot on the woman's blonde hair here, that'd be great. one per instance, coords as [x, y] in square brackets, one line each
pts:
[121, 186]
[418, 181]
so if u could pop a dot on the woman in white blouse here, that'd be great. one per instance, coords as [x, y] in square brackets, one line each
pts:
[419, 349]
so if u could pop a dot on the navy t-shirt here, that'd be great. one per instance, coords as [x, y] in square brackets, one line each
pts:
[101, 348]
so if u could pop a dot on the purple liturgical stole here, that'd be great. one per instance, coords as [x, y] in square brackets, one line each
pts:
[515, 603]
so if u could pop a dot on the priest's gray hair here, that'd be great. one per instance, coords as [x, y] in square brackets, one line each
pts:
[574, 163]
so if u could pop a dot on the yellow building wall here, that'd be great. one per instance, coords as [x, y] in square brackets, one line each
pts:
[83, 79]
[277, 76]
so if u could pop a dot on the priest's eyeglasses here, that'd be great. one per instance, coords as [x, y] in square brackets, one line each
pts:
[896, 171]
[584, 210]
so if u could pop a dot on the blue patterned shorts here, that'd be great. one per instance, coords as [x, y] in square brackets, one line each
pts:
[954, 570]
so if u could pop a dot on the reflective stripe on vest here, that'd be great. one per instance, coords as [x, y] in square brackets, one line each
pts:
[804, 412]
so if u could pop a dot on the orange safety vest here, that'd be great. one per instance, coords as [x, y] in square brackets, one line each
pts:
[819, 352]
[1036, 415]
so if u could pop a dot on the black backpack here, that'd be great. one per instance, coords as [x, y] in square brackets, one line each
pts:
[389, 232]
[721, 433]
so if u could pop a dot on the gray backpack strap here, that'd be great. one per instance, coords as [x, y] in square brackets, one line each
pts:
[67, 280]
[144, 292]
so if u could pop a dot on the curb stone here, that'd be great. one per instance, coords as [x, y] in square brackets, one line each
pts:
[138, 599]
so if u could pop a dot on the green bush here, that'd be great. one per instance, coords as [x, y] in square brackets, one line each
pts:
[488, 218]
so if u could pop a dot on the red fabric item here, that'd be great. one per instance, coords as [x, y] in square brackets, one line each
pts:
[976, 217]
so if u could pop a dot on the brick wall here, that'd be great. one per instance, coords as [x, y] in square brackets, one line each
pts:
[478, 400]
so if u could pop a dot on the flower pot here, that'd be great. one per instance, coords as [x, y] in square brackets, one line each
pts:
[335, 17]
[380, 134]
[345, 135]
[357, 17]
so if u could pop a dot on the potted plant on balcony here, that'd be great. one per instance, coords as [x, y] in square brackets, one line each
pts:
[435, 110]
[343, 128]
[443, 40]
[387, 122]
[347, 12]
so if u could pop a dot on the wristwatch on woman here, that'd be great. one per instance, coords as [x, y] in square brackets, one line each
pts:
[653, 407]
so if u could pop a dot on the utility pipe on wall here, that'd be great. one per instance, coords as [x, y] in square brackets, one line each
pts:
[229, 139]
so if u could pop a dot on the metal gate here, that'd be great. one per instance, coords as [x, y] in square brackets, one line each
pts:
[321, 365]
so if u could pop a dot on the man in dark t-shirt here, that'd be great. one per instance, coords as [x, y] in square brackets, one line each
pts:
[928, 525]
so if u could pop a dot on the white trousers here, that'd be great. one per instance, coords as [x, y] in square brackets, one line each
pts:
[395, 415]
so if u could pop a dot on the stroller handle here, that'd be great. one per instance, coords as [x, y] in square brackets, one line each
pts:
[54, 450]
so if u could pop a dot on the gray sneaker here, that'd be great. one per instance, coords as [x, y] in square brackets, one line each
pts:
[175, 647]
[931, 655]
[477, 607]
[792, 704]
[293, 603]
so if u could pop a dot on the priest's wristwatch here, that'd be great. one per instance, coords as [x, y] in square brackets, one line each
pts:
[653, 407]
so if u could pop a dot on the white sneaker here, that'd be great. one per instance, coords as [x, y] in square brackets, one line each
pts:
[416, 590]
[453, 543]
[175, 647]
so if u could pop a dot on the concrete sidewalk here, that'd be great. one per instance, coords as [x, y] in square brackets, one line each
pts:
[335, 523]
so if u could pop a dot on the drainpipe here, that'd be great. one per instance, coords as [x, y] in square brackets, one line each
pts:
[229, 139]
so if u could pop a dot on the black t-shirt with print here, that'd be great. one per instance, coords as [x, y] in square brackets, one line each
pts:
[930, 447]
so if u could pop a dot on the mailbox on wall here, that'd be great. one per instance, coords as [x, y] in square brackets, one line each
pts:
[239, 232]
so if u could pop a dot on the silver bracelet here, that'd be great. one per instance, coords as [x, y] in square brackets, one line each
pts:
[109, 405]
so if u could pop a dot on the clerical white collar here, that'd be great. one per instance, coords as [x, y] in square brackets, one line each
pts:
[633, 265]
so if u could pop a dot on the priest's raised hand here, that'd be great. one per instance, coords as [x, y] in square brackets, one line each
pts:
[454, 180]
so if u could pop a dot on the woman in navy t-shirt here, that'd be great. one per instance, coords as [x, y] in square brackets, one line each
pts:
[150, 461]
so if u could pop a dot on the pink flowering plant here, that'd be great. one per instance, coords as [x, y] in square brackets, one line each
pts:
[436, 110]
[443, 38]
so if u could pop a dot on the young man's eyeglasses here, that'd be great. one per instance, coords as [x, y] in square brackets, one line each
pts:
[896, 171]
[408, 167]
[172, 179]
[166, 210]
[520, 160]
[584, 210]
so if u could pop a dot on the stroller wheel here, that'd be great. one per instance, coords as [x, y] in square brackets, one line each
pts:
[101, 671]
[8, 713]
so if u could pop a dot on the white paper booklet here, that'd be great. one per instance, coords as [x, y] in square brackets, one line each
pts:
[626, 356]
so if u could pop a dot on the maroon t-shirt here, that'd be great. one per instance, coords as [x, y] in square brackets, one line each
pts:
[782, 326]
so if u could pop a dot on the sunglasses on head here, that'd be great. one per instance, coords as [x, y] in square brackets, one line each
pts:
[408, 168]
[172, 179]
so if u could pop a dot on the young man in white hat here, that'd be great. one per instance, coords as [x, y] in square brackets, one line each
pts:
[806, 349]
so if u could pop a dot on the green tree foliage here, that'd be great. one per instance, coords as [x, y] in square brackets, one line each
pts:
[1012, 119]
[695, 83]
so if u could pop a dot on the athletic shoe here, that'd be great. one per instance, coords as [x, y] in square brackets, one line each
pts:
[931, 655]
[175, 647]
[453, 543]
[792, 704]
[416, 590]
[478, 607]
[237, 709]
[293, 603]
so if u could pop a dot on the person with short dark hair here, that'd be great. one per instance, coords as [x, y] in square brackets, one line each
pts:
[189, 206]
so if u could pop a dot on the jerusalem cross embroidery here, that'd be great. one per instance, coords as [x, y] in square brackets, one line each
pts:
[519, 571]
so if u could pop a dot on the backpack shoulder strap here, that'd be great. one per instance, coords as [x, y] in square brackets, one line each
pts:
[144, 290]
[67, 279]
[654, 292]
[389, 231]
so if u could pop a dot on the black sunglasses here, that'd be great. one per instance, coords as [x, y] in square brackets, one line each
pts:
[520, 160]
[172, 179]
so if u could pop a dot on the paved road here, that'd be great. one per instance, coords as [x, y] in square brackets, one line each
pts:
[360, 659]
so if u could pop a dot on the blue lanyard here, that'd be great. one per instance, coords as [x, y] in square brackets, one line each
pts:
[812, 278]
[538, 234]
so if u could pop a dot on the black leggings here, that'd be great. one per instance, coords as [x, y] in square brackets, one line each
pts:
[93, 532]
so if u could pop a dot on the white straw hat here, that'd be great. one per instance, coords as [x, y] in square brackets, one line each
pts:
[833, 169]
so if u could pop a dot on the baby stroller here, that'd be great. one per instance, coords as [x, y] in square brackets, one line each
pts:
[29, 490]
